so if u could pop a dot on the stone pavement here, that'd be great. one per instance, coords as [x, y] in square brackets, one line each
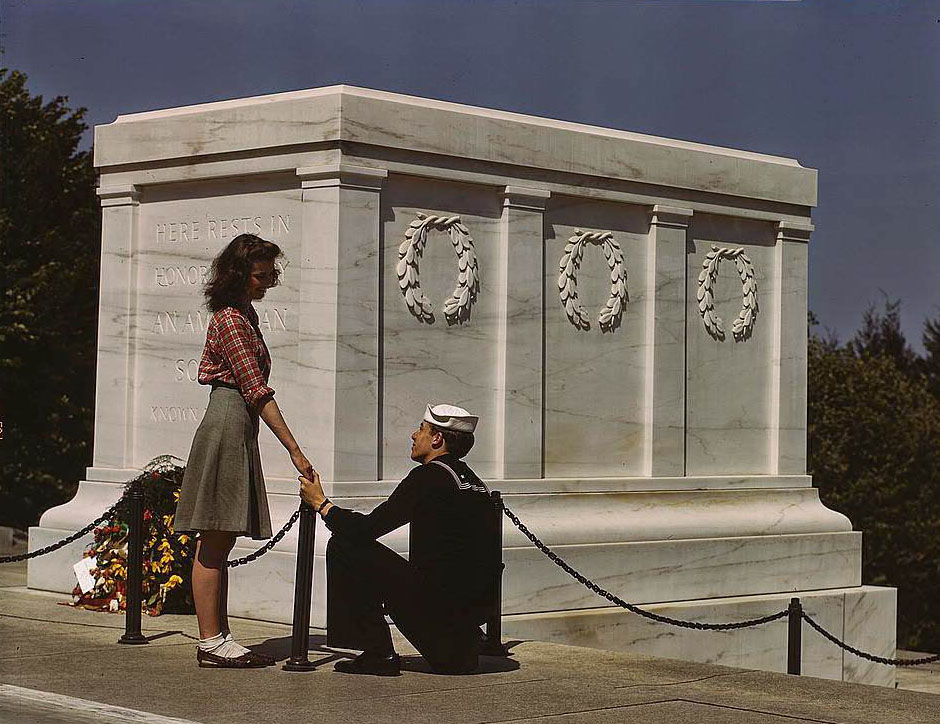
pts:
[72, 655]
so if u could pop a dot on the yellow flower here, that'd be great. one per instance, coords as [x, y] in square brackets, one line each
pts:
[174, 580]
[184, 539]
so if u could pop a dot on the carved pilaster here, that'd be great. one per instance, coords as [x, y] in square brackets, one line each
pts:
[788, 451]
[338, 354]
[117, 307]
[519, 342]
[666, 329]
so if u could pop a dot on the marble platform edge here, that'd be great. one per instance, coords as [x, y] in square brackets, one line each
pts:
[643, 571]
[763, 648]
[345, 113]
[375, 488]
[591, 517]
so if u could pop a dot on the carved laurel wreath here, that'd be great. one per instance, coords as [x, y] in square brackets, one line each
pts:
[457, 306]
[610, 316]
[743, 325]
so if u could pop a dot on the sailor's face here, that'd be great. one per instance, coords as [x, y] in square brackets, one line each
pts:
[422, 442]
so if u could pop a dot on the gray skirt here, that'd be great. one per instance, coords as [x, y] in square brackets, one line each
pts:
[223, 486]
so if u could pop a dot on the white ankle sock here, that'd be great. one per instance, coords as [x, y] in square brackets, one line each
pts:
[221, 645]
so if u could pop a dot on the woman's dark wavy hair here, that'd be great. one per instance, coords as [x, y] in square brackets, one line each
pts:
[231, 270]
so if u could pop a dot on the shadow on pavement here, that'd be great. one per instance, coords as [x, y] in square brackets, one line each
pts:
[163, 635]
[280, 647]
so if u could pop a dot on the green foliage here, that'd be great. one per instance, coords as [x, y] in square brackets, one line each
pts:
[874, 454]
[49, 262]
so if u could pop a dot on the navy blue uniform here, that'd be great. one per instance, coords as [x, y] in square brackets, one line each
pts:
[440, 596]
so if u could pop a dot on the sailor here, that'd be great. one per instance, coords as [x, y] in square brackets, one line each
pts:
[439, 597]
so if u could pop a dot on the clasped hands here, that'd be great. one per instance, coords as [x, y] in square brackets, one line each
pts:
[310, 489]
[311, 492]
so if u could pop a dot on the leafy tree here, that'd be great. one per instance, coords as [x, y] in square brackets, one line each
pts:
[881, 336]
[49, 266]
[930, 364]
[874, 453]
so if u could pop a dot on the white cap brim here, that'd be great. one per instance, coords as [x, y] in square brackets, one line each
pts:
[451, 417]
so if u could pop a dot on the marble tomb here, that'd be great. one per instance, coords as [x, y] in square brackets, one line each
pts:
[626, 313]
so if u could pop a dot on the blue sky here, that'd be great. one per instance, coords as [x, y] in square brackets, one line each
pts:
[850, 87]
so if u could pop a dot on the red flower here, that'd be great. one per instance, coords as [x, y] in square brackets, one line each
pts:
[147, 515]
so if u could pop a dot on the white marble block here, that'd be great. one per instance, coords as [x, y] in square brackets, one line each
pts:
[625, 313]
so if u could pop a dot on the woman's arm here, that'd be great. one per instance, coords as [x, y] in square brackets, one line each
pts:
[235, 336]
[271, 414]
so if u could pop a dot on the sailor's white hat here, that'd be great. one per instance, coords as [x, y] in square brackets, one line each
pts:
[451, 417]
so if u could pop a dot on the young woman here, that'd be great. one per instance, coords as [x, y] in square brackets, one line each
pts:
[223, 494]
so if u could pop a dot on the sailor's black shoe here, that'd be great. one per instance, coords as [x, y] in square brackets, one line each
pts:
[370, 663]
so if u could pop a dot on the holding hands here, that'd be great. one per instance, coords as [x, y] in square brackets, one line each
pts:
[311, 492]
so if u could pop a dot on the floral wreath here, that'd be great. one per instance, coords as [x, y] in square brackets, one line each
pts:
[456, 307]
[167, 556]
[610, 316]
[743, 325]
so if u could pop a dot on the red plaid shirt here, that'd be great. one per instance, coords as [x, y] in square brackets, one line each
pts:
[236, 354]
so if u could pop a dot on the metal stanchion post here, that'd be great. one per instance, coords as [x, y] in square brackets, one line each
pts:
[303, 582]
[135, 563]
[794, 636]
[493, 641]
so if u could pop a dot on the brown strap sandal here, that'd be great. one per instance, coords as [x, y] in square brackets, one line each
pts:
[248, 660]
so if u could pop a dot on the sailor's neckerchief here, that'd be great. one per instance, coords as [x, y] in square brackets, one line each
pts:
[461, 483]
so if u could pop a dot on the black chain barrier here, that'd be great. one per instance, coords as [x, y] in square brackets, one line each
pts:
[706, 626]
[267, 546]
[548, 552]
[629, 606]
[254, 555]
[863, 655]
[65, 541]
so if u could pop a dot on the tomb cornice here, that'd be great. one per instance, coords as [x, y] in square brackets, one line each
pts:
[264, 125]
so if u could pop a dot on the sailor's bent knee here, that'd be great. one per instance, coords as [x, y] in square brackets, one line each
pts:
[342, 547]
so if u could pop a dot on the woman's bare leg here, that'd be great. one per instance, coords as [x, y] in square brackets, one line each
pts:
[212, 551]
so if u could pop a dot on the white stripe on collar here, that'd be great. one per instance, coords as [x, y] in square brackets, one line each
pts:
[461, 483]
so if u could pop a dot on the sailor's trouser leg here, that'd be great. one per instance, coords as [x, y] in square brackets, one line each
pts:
[355, 618]
[363, 577]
